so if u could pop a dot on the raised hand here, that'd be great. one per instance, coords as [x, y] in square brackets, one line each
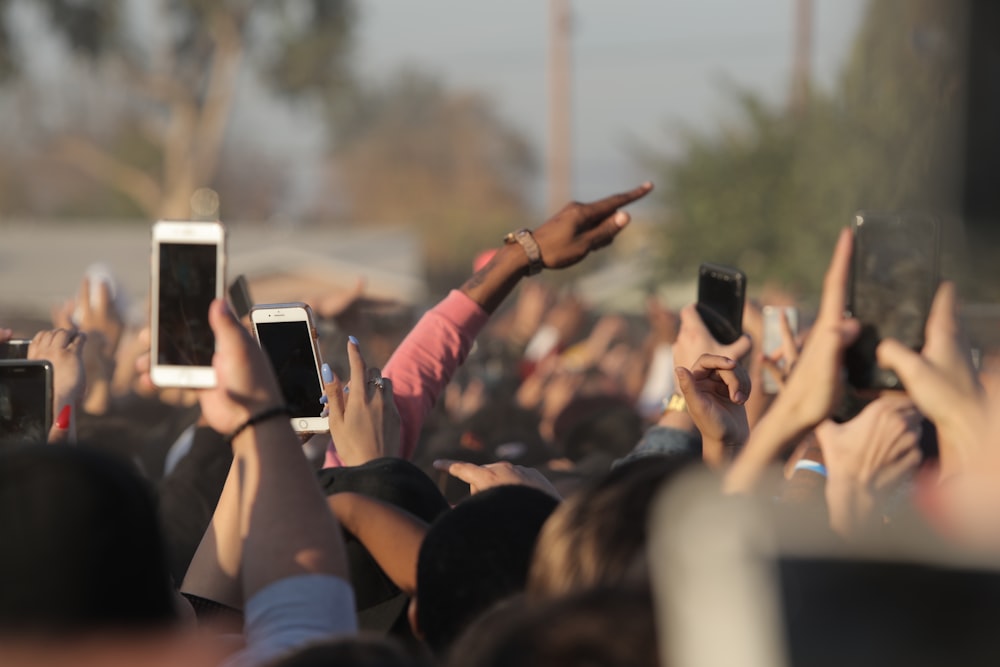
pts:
[364, 422]
[814, 385]
[715, 389]
[502, 473]
[64, 350]
[942, 382]
[578, 229]
[245, 382]
[694, 340]
[867, 456]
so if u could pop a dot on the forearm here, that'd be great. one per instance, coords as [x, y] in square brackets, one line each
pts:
[425, 361]
[286, 525]
[851, 506]
[392, 536]
[776, 432]
[494, 282]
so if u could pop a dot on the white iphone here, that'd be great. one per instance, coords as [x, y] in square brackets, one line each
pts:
[773, 339]
[287, 334]
[188, 272]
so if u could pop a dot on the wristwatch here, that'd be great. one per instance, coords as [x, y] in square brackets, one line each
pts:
[523, 236]
[675, 403]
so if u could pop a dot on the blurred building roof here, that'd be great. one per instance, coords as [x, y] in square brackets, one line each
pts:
[42, 263]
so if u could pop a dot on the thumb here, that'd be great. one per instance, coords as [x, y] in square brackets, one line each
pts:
[910, 366]
[229, 333]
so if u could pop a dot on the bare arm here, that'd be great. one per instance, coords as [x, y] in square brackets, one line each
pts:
[392, 536]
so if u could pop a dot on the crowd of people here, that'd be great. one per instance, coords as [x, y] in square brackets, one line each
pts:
[488, 489]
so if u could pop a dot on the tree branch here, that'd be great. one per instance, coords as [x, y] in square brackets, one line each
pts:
[100, 165]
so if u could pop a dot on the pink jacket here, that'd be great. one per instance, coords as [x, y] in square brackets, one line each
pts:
[424, 362]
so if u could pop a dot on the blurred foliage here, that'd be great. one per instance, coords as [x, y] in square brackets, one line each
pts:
[171, 79]
[412, 151]
[768, 191]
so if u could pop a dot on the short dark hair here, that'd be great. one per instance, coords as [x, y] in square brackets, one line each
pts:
[604, 627]
[475, 555]
[363, 651]
[82, 549]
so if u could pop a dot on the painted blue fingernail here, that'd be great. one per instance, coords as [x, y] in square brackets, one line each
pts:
[346, 389]
[353, 340]
[327, 373]
[323, 399]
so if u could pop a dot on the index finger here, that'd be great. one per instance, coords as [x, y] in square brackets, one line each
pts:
[602, 208]
[467, 472]
[831, 308]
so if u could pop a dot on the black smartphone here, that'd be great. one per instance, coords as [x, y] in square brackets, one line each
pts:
[239, 297]
[721, 294]
[15, 348]
[25, 401]
[894, 274]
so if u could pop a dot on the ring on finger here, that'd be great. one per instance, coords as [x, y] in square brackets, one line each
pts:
[377, 381]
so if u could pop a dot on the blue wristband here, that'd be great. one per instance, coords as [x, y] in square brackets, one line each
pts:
[811, 466]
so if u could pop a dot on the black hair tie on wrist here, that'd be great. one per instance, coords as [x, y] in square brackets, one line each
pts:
[262, 416]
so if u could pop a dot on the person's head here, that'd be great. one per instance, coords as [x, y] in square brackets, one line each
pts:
[363, 651]
[82, 550]
[597, 537]
[598, 628]
[473, 556]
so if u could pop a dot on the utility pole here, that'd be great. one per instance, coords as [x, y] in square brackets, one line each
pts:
[802, 58]
[560, 113]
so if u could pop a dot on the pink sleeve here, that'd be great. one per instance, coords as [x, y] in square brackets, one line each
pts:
[424, 362]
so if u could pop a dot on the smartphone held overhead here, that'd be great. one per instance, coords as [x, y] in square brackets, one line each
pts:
[721, 295]
[188, 272]
[894, 275]
[287, 334]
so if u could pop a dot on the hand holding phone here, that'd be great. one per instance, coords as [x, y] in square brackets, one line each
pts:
[188, 273]
[287, 334]
[721, 295]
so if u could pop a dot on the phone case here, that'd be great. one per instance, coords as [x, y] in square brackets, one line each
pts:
[894, 275]
[721, 296]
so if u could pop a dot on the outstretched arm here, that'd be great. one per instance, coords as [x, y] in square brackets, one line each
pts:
[439, 343]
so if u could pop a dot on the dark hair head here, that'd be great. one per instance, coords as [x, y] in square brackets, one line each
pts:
[597, 537]
[597, 628]
[81, 547]
[475, 555]
[363, 651]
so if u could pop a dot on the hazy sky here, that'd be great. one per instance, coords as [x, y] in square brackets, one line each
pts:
[641, 67]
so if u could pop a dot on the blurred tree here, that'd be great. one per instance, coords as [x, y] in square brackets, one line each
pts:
[412, 151]
[175, 65]
[768, 192]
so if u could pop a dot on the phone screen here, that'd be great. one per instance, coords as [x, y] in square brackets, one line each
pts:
[289, 347]
[25, 393]
[187, 286]
[893, 280]
[720, 301]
